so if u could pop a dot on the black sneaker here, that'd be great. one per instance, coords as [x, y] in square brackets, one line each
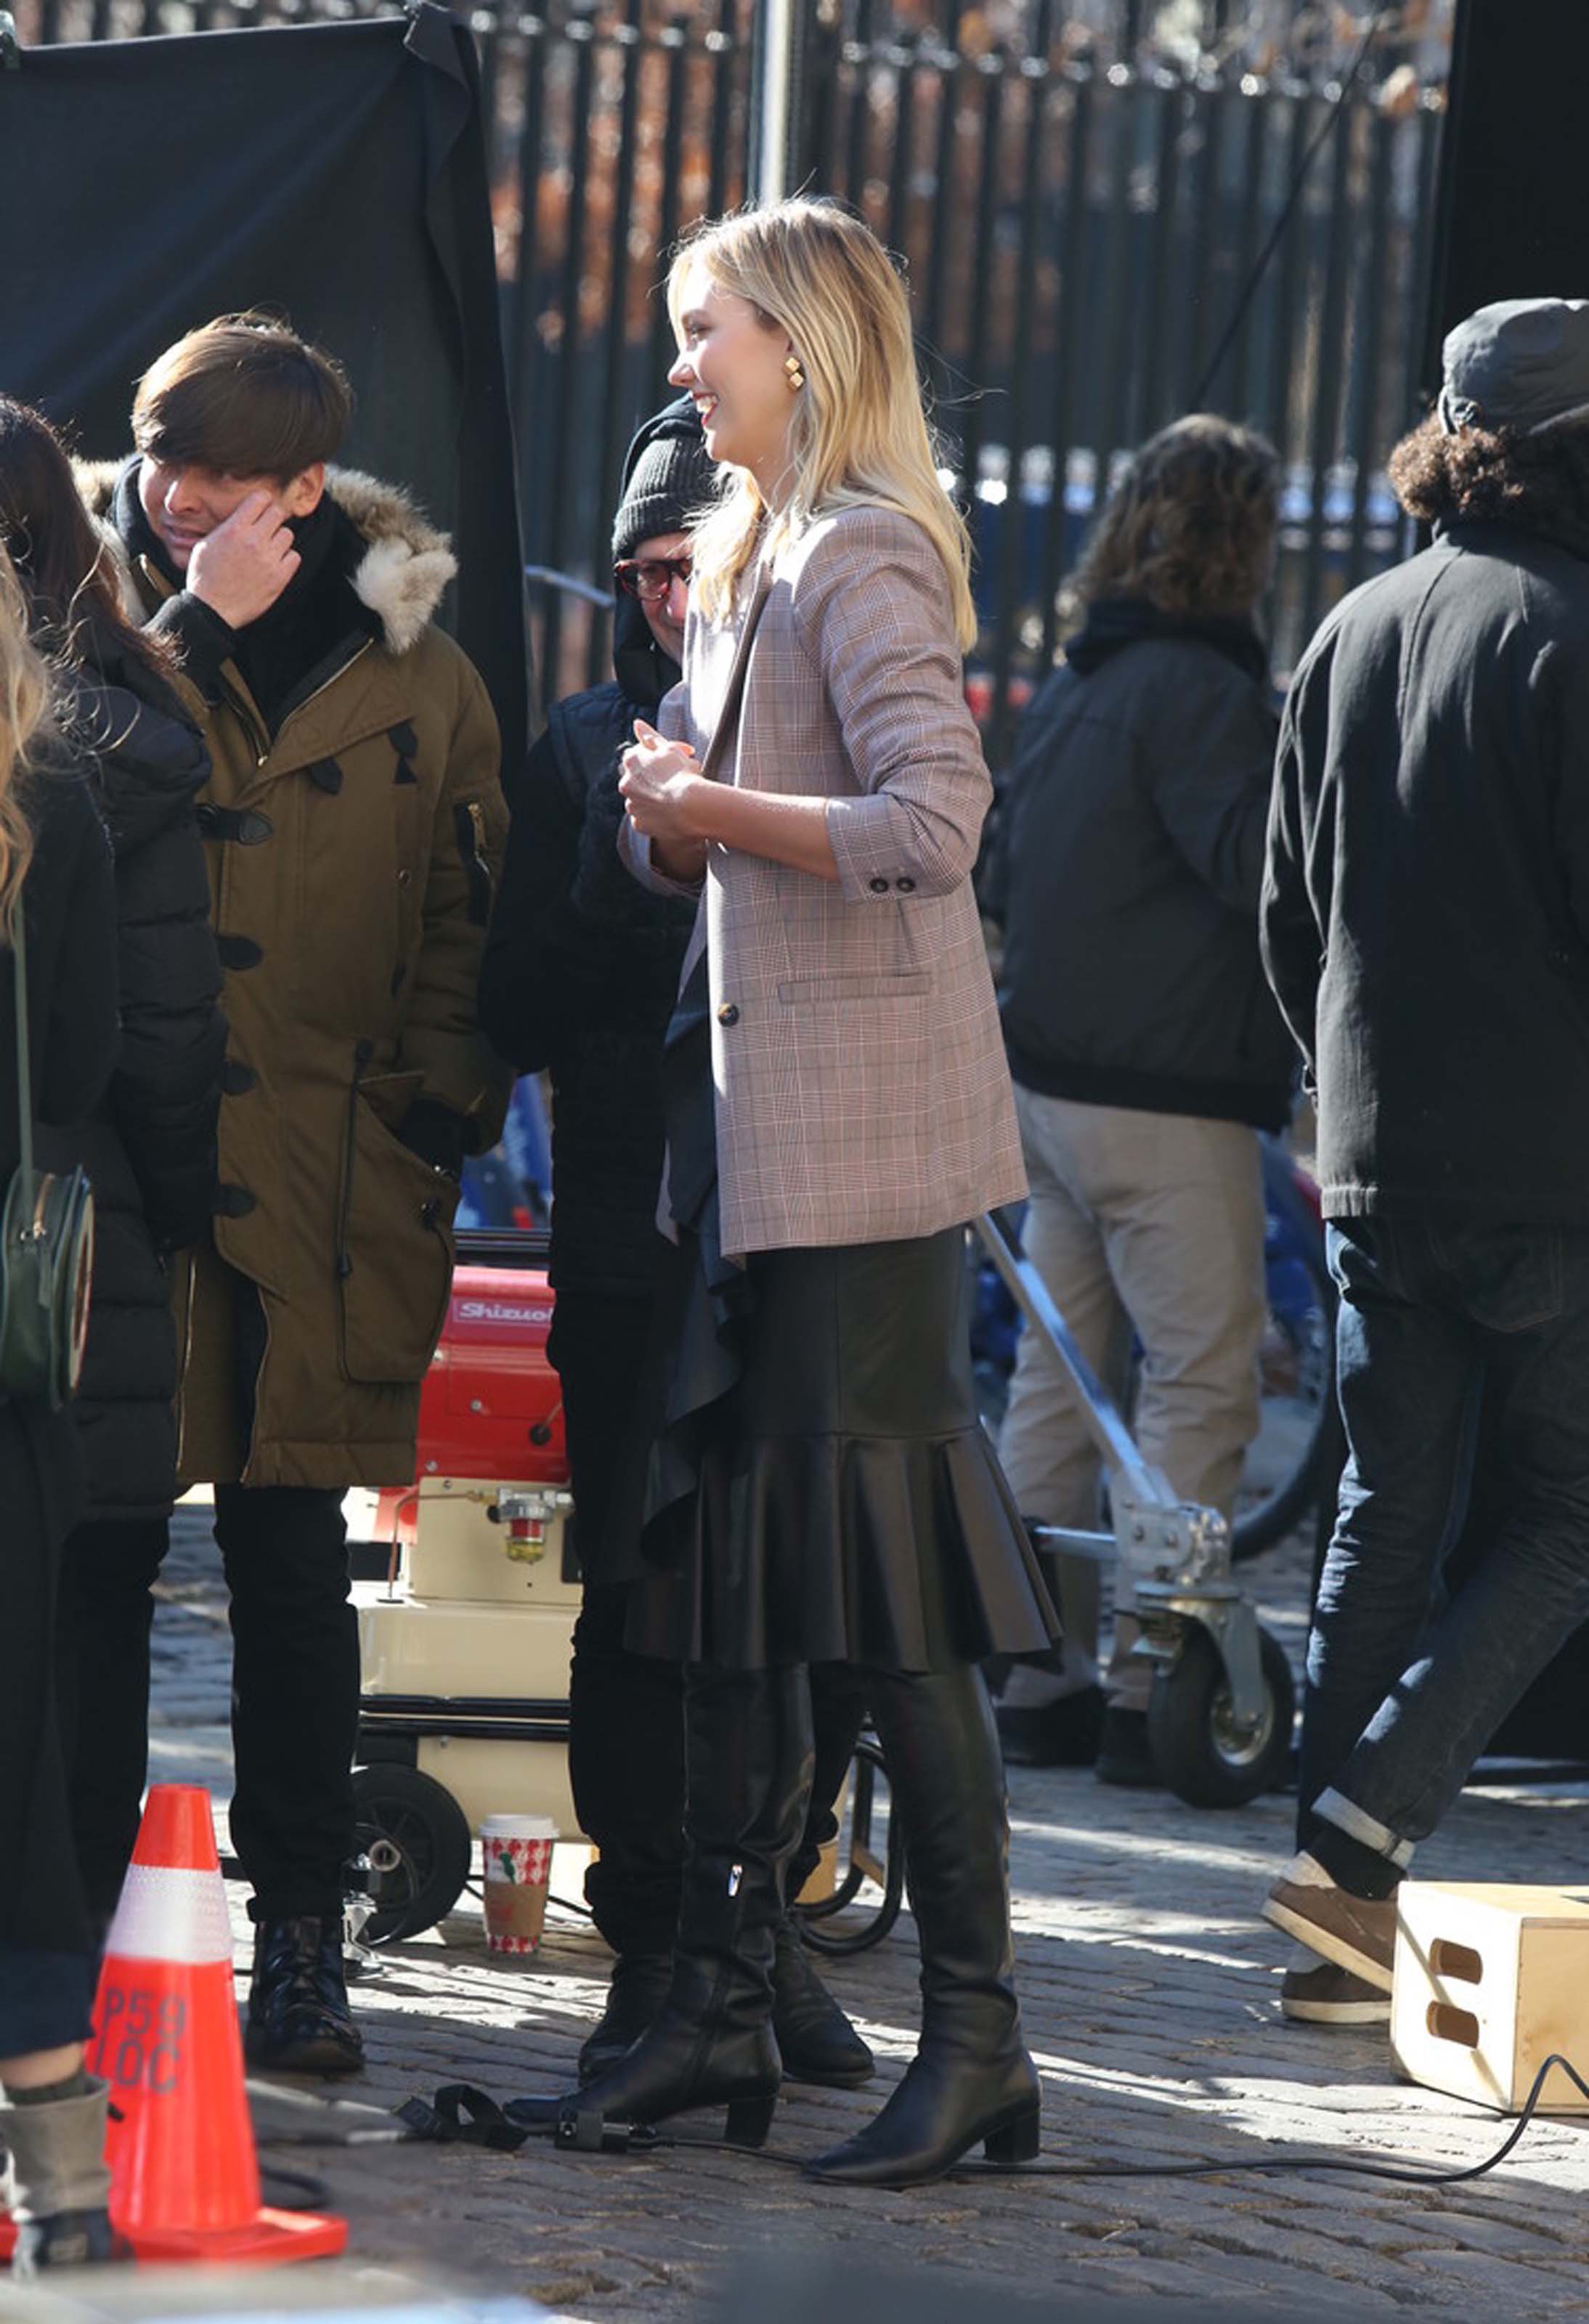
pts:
[1064, 1733]
[637, 1989]
[1123, 1755]
[298, 2020]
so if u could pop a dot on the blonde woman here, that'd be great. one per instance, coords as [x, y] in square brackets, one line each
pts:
[54, 866]
[819, 1489]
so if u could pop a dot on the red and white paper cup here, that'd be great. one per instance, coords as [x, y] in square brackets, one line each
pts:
[516, 1850]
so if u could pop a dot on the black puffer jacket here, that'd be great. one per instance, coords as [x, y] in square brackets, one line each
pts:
[1130, 858]
[149, 1147]
[581, 969]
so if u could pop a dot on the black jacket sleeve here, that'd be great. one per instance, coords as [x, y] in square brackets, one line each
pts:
[71, 898]
[538, 943]
[168, 1083]
[1293, 918]
[1214, 800]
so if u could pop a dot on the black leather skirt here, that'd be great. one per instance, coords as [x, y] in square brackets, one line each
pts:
[821, 1488]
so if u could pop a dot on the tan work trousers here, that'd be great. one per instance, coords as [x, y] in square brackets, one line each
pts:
[1151, 1223]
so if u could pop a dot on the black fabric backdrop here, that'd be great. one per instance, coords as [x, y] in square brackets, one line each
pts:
[336, 172]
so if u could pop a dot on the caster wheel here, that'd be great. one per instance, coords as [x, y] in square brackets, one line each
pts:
[418, 1843]
[1205, 1759]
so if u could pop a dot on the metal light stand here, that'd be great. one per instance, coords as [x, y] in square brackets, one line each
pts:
[1175, 1555]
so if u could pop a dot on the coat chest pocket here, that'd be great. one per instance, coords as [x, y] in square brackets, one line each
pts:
[396, 1247]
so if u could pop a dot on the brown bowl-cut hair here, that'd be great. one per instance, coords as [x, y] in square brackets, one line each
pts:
[1497, 476]
[1190, 526]
[244, 396]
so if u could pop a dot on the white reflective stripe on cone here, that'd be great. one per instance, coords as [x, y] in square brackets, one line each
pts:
[165, 1914]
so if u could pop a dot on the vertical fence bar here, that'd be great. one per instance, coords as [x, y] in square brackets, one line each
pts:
[486, 24]
[1428, 155]
[1067, 330]
[1117, 306]
[903, 58]
[856, 144]
[614, 405]
[1209, 108]
[1285, 266]
[522, 340]
[1035, 73]
[1328, 362]
[673, 40]
[1147, 400]
[982, 290]
[943, 182]
[1367, 449]
[1241, 388]
[722, 46]
[560, 464]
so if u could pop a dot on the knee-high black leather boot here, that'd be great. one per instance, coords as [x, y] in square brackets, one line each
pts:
[971, 2079]
[748, 1748]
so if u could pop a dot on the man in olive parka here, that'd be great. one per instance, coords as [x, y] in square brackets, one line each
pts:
[354, 826]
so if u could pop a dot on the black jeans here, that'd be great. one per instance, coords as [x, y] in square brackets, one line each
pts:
[1404, 1692]
[295, 1683]
[626, 1710]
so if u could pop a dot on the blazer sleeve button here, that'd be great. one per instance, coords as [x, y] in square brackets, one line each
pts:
[906, 886]
[728, 1014]
[878, 887]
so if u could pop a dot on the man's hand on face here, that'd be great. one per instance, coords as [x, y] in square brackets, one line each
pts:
[241, 569]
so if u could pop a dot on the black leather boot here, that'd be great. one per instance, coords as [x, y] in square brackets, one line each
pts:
[816, 2040]
[748, 1750]
[971, 2079]
[639, 1987]
[298, 2020]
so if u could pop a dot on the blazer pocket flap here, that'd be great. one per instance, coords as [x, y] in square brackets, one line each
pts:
[885, 985]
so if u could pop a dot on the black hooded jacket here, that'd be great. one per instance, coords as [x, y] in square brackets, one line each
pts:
[581, 966]
[1130, 860]
[149, 1145]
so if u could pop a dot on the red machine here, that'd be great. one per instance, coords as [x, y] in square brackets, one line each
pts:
[465, 1640]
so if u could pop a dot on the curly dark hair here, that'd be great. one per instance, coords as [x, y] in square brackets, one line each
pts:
[1497, 476]
[1191, 524]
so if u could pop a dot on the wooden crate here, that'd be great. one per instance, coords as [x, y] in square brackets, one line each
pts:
[1489, 1982]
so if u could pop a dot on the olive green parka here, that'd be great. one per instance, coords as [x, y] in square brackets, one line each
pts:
[352, 860]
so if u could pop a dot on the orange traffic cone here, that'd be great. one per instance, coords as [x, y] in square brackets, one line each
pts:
[184, 2178]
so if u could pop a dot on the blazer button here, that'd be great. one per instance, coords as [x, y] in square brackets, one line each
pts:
[728, 1014]
[878, 887]
[906, 886]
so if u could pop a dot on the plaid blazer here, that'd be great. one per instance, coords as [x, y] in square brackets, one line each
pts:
[863, 1094]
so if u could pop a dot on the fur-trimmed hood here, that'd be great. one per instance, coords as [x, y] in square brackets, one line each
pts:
[402, 575]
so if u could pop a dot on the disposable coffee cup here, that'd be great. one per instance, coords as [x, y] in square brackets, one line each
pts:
[516, 1850]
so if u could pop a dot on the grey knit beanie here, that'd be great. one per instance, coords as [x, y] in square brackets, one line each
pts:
[673, 480]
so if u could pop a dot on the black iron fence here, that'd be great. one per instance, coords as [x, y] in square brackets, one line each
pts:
[1083, 196]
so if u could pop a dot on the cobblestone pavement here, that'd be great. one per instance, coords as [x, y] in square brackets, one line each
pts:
[1149, 1987]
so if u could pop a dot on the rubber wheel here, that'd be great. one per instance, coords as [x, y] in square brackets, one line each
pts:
[1194, 1749]
[419, 1844]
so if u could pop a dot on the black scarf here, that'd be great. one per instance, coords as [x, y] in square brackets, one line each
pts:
[1112, 623]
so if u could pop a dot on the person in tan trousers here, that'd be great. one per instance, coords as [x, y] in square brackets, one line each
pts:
[1144, 1046]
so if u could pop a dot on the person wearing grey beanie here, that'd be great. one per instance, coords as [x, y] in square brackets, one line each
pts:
[579, 977]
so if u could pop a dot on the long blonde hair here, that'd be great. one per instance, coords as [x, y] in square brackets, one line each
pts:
[858, 436]
[24, 695]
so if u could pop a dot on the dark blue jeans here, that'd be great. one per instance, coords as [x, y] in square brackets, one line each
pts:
[1404, 1690]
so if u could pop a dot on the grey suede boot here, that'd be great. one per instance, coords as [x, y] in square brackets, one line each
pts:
[59, 2186]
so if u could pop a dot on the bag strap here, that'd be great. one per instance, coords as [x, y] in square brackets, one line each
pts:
[25, 1076]
[728, 716]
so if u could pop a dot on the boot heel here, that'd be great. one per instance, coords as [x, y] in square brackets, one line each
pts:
[750, 2120]
[1016, 2140]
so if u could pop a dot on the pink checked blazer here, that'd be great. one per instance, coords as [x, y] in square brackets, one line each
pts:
[861, 1091]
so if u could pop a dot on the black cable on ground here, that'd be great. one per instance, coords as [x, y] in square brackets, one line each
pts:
[642, 2140]
[1334, 123]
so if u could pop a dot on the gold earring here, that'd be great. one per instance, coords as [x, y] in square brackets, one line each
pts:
[794, 373]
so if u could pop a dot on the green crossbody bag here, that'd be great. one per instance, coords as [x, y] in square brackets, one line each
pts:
[46, 1253]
